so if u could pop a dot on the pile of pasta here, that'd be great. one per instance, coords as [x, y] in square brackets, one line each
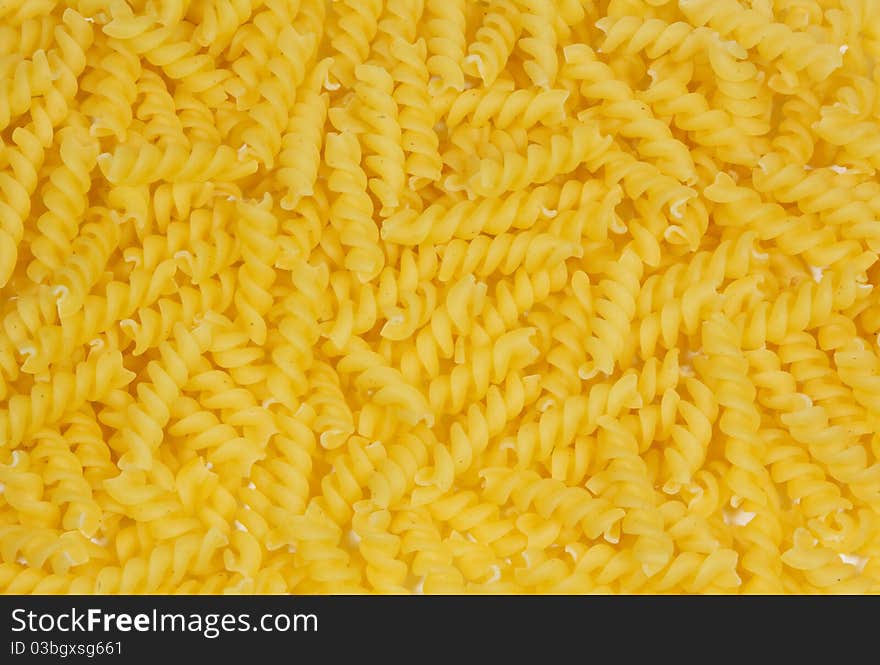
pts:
[439, 296]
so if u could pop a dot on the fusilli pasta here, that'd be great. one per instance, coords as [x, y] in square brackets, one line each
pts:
[439, 296]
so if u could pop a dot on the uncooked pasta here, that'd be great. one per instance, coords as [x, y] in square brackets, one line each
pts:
[439, 296]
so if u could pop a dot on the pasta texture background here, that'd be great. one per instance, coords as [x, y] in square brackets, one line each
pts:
[439, 296]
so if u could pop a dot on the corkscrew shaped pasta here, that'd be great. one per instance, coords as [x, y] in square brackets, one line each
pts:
[739, 422]
[805, 479]
[505, 107]
[167, 45]
[446, 41]
[465, 219]
[150, 414]
[614, 310]
[379, 548]
[23, 79]
[301, 145]
[493, 43]
[356, 26]
[256, 229]
[299, 330]
[537, 20]
[73, 36]
[351, 212]
[219, 21]
[541, 163]
[420, 141]
[138, 162]
[399, 22]
[381, 140]
[90, 381]
[112, 82]
[288, 65]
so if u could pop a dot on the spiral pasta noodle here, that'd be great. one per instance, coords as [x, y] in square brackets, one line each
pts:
[439, 296]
